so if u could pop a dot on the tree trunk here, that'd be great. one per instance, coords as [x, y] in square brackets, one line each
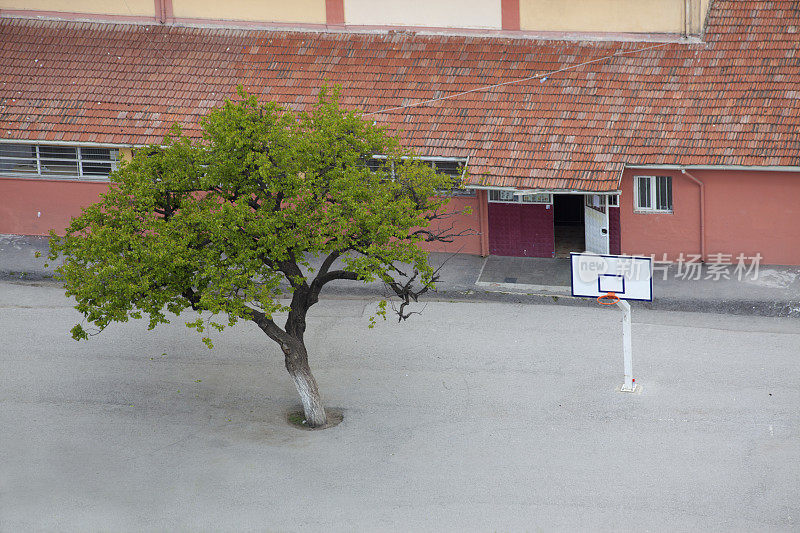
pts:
[297, 365]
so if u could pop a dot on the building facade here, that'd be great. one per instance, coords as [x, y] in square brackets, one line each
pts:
[661, 127]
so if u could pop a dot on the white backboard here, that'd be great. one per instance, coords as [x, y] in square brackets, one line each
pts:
[629, 277]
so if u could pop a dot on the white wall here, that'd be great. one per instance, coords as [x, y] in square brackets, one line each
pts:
[438, 13]
[107, 7]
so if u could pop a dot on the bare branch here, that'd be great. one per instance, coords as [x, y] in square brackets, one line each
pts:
[446, 235]
[406, 291]
[404, 316]
[441, 215]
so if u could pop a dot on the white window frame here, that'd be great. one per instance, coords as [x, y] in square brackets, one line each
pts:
[79, 161]
[612, 200]
[653, 195]
[536, 198]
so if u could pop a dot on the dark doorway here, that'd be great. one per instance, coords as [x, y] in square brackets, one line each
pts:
[568, 222]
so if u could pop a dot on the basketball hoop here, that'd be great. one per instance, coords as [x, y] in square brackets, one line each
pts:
[614, 280]
[608, 299]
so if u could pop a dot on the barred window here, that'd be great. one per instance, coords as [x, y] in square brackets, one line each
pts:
[57, 161]
[449, 167]
[378, 164]
[507, 196]
[454, 169]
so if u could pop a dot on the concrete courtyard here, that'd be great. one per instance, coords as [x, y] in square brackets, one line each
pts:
[472, 417]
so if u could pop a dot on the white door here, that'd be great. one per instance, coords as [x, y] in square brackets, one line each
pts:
[596, 224]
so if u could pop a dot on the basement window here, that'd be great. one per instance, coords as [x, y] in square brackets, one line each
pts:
[652, 194]
[57, 161]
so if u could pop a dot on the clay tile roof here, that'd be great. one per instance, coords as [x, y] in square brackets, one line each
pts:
[733, 99]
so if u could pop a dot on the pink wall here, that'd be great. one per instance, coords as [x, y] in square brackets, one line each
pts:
[466, 245]
[35, 206]
[746, 212]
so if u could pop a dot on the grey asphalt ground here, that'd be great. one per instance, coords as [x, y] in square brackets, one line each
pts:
[475, 416]
[775, 291]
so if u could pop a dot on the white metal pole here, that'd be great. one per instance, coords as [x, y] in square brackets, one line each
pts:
[627, 350]
[607, 227]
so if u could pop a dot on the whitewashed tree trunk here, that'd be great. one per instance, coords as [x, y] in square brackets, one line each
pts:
[297, 365]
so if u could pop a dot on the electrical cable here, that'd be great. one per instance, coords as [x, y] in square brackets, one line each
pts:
[543, 75]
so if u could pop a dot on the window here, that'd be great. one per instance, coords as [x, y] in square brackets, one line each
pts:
[613, 200]
[596, 202]
[449, 167]
[513, 197]
[379, 164]
[653, 194]
[537, 198]
[502, 196]
[454, 168]
[57, 161]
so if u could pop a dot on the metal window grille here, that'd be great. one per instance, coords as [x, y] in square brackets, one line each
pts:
[455, 169]
[502, 196]
[508, 196]
[57, 161]
[450, 167]
[543, 198]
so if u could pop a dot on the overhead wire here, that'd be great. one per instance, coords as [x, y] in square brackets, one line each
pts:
[542, 75]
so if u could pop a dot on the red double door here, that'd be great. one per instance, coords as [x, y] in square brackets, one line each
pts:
[521, 230]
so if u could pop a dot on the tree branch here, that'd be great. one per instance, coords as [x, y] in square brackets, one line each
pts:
[447, 234]
[269, 327]
[326, 264]
[406, 291]
[193, 297]
[322, 279]
[293, 274]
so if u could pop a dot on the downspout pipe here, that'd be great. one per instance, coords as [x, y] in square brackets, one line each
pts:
[688, 17]
[702, 212]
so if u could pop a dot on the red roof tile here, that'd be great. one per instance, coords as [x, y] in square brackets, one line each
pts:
[733, 99]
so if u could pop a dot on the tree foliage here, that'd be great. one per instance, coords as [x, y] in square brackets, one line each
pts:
[231, 224]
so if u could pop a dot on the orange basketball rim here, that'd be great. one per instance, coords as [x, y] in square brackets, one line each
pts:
[608, 299]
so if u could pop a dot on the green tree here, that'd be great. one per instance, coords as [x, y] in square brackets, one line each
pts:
[228, 226]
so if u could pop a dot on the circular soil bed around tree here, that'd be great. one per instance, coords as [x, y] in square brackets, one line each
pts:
[297, 418]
